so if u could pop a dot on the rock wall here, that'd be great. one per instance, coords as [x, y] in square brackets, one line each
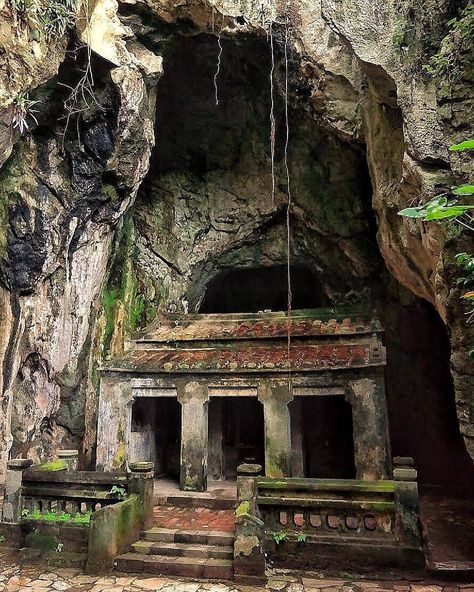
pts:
[83, 263]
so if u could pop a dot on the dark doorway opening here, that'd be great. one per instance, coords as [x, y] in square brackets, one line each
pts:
[156, 434]
[235, 435]
[263, 288]
[322, 438]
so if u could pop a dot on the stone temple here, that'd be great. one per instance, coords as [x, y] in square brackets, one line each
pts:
[198, 395]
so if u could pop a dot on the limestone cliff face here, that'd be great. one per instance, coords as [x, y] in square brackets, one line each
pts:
[84, 261]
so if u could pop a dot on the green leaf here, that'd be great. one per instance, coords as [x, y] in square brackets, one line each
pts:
[413, 212]
[463, 190]
[436, 202]
[466, 145]
[448, 212]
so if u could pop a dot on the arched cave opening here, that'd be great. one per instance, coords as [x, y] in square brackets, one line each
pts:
[263, 288]
[208, 232]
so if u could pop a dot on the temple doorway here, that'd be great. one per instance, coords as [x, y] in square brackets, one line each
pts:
[322, 437]
[236, 435]
[156, 434]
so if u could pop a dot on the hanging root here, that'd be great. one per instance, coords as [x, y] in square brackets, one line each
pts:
[272, 112]
[219, 56]
[288, 207]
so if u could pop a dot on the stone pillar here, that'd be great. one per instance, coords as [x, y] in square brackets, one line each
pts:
[194, 399]
[275, 398]
[297, 452]
[113, 422]
[249, 551]
[70, 457]
[216, 452]
[140, 481]
[407, 508]
[13, 480]
[370, 428]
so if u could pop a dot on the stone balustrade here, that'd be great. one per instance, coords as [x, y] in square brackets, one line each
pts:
[315, 523]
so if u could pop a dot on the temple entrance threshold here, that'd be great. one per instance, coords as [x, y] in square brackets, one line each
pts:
[220, 495]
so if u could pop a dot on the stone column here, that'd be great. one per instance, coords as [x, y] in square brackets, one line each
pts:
[275, 398]
[13, 481]
[70, 457]
[216, 452]
[113, 422]
[370, 428]
[297, 452]
[194, 399]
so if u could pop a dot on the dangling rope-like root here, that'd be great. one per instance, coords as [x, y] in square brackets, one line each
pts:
[272, 112]
[288, 208]
[219, 56]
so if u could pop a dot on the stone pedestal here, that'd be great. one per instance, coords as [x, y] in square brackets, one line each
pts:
[194, 399]
[370, 428]
[140, 481]
[275, 398]
[249, 552]
[13, 481]
[70, 457]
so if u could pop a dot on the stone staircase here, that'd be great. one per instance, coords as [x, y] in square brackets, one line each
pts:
[181, 552]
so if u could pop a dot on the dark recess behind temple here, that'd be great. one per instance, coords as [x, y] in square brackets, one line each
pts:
[420, 396]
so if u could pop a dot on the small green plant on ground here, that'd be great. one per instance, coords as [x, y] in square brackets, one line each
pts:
[279, 537]
[119, 491]
[2, 538]
[301, 537]
[77, 518]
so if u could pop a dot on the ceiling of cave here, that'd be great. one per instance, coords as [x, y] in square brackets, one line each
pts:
[206, 205]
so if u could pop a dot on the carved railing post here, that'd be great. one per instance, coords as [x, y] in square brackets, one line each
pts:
[70, 457]
[249, 553]
[13, 481]
[140, 481]
[407, 504]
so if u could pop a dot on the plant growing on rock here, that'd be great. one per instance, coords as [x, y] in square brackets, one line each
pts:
[23, 109]
[444, 208]
[279, 537]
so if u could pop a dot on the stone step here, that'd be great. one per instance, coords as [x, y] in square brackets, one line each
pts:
[182, 500]
[183, 550]
[192, 567]
[193, 537]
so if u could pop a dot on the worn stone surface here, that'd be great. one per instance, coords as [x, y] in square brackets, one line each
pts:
[79, 274]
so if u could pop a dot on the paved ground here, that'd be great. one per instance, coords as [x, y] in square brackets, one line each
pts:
[193, 518]
[33, 579]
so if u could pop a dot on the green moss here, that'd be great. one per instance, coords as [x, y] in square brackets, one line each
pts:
[53, 465]
[243, 509]
[45, 542]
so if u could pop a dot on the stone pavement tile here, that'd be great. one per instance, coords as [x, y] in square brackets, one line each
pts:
[276, 584]
[60, 585]
[48, 576]
[123, 581]
[151, 583]
[83, 579]
[67, 572]
[40, 583]
[294, 587]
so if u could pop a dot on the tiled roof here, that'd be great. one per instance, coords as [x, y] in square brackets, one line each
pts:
[254, 343]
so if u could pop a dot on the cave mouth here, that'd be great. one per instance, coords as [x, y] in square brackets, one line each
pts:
[205, 223]
[263, 288]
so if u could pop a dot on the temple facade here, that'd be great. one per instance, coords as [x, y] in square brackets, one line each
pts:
[199, 394]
